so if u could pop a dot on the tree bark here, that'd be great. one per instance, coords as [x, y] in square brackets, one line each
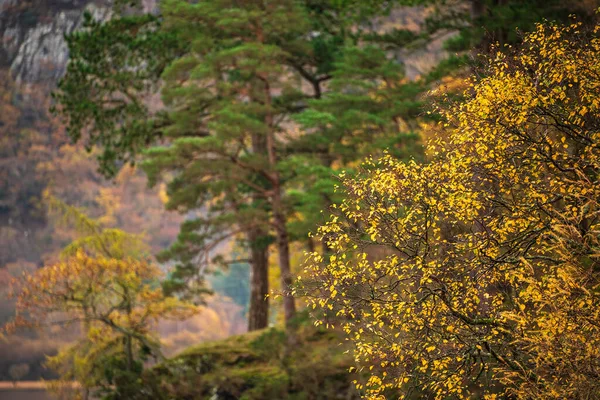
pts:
[277, 207]
[258, 313]
[279, 218]
[477, 9]
[283, 247]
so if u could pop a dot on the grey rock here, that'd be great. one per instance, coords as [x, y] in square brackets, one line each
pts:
[422, 59]
[32, 43]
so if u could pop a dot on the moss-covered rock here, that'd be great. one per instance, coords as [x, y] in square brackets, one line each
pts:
[258, 365]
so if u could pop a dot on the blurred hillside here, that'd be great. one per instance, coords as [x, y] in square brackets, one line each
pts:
[36, 157]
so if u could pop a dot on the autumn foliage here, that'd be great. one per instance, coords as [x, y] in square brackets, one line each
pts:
[94, 290]
[477, 273]
[117, 304]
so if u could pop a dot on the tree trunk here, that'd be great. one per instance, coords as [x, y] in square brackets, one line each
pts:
[477, 9]
[279, 217]
[128, 339]
[129, 352]
[283, 247]
[258, 313]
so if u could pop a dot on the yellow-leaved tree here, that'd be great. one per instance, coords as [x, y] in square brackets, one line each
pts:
[105, 285]
[477, 273]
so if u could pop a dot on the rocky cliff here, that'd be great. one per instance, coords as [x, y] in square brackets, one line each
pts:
[32, 35]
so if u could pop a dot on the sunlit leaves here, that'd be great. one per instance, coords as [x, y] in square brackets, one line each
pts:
[477, 273]
[103, 286]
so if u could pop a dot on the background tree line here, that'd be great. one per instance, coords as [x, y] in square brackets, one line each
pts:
[263, 103]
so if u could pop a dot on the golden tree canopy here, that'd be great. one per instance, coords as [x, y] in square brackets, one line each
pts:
[478, 272]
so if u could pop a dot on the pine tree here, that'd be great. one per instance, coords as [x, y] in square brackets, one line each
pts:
[237, 78]
[231, 98]
[114, 68]
[228, 99]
